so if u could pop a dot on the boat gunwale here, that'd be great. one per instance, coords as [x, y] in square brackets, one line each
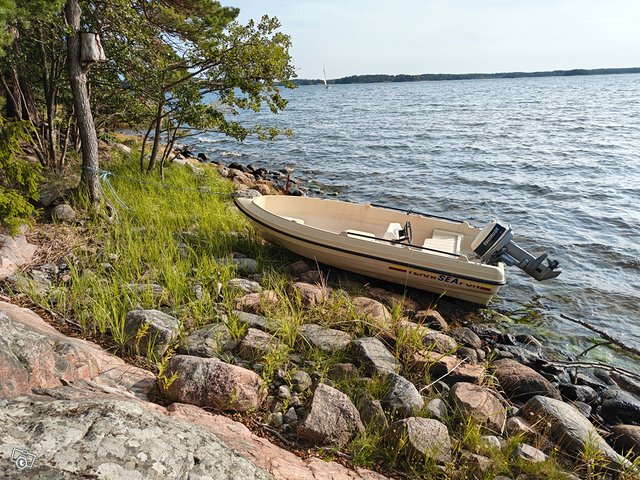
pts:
[297, 226]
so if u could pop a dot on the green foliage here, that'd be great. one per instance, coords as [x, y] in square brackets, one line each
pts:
[18, 177]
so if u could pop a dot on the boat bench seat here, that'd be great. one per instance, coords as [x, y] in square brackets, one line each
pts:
[296, 220]
[368, 236]
[445, 241]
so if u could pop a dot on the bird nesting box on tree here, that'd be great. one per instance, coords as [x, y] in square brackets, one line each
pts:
[91, 50]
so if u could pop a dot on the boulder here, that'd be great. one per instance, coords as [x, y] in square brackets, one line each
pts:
[14, 252]
[150, 332]
[466, 336]
[480, 404]
[326, 339]
[374, 312]
[432, 319]
[374, 356]
[209, 341]
[252, 320]
[390, 298]
[300, 381]
[257, 302]
[244, 285]
[619, 406]
[209, 382]
[437, 408]
[455, 369]
[402, 398]
[418, 438]
[439, 342]
[578, 393]
[256, 344]
[519, 426]
[566, 426]
[520, 382]
[63, 213]
[626, 438]
[530, 454]
[371, 411]
[342, 371]
[330, 418]
[298, 267]
[310, 294]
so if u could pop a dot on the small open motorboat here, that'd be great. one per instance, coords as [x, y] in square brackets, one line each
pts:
[427, 252]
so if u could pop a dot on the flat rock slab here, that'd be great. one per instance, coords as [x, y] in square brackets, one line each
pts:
[209, 382]
[150, 331]
[328, 340]
[253, 320]
[402, 399]
[257, 303]
[244, 285]
[331, 418]
[567, 427]
[374, 356]
[421, 437]
[520, 382]
[480, 404]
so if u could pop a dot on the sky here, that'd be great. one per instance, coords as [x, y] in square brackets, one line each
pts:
[355, 37]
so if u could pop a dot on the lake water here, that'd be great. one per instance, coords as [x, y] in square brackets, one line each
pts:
[557, 158]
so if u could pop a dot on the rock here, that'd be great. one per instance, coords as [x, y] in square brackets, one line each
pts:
[244, 285]
[122, 147]
[439, 342]
[252, 320]
[256, 344]
[311, 276]
[529, 453]
[275, 419]
[310, 295]
[480, 404]
[420, 438]
[374, 356]
[257, 302]
[156, 292]
[455, 369]
[300, 381]
[519, 426]
[248, 193]
[246, 266]
[467, 337]
[371, 411]
[402, 399]
[566, 426]
[283, 392]
[579, 393]
[626, 438]
[63, 213]
[408, 328]
[520, 382]
[331, 418]
[468, 354]
[291, 417]
[493, 442]
[437, 408]
[620, 407]
[478, 463]
[326, 339]
[150, 332]
[390, 298]
[375, 312]
[432, 319]
[14, 252]
[298, 267]
[209, 382]
[342, 371]
[209, 341]
[626, 383]
[521, 355]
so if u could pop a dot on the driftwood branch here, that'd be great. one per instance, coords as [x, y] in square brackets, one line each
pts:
[595, 365]
[603, 334]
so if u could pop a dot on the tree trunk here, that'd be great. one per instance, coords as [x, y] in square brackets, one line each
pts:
[156, 139]
[84, 118]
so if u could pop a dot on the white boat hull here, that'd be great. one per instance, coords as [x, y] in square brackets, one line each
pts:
[315, 229]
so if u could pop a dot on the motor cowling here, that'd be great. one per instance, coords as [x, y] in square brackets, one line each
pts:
[495, 244]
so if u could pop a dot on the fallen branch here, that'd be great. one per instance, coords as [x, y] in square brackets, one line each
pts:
[599, 366]
[603, 334]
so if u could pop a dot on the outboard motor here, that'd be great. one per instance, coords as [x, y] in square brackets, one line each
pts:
[494, 244]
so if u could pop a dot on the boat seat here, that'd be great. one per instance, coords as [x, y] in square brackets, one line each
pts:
[445, 241]
[393, 231]
[368, 236]
[296, 220]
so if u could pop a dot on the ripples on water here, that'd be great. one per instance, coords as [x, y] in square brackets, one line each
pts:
[557, 158]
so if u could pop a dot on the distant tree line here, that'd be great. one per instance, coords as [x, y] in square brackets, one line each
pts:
[434, 77]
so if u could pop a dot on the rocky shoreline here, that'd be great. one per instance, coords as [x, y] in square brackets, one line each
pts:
[419, 378]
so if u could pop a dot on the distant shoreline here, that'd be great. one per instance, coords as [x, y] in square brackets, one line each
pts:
[435, 77]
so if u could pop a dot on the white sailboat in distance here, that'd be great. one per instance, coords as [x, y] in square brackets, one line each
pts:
[324, 73]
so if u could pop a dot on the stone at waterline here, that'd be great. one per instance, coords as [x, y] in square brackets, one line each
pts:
[520, 382]
[619, 406]
[580, 393]
[150, 331]
[566, 426]
[480, 404]
[209, 382]
[330, 419]
[626, 438]
[421, 437]
[432, 319]
[466, 336]
[402, 398]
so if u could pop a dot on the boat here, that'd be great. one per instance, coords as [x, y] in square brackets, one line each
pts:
[427, 252]
[324, 73]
